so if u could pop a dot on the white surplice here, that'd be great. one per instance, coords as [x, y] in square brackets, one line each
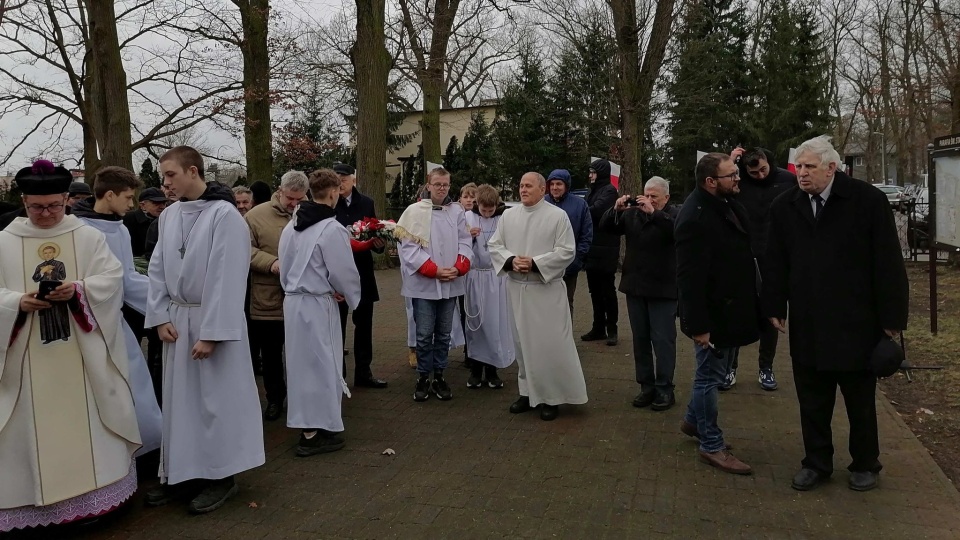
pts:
[67, 419]
[489, 334]
[315, 263]
[135, 287]
[550, 371]
[212, 426]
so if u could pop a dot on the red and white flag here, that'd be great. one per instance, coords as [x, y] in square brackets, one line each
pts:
[614, 172]
[790, 158]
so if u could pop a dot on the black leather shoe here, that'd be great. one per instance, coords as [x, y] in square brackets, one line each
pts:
[167, 493]
[521, 405]
[663, 402]
[807, 479]
[594, 335]
[644, 399]
[369, 382]
[863, 480]
[549, 412]
[273, 412]
[612, 336]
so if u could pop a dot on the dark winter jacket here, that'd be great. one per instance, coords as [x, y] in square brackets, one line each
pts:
[716, 273]
[138, 223]
[650, 259]
[360, 207]
[842, 274]
[757, 196]
[605, 250]
[579, 213]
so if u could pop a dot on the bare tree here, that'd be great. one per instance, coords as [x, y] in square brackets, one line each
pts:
[371, 64]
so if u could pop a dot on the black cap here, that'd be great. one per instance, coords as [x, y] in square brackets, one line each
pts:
[80, 188]
[154, 195]
[43, 178]
[344, 169]
[886, 358]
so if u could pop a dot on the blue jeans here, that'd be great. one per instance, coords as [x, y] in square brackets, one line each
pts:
[702, 411]
[434, 320]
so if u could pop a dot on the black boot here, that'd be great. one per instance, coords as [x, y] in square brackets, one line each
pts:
[612, 335]
[476, 376]
[440, 387]
[422, 391]
[596, 334]
[493, 380]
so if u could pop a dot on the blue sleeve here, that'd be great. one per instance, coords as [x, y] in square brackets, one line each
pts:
[585, 236]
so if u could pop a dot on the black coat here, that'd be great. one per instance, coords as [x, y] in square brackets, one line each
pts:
[842, 274]
[716, 272]
[605, 249]
[650, 261]
[138, 223]
[757, 196]
[361, 207]
[7, 219]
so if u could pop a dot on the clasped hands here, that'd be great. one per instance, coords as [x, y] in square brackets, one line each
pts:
[30, 303]
[523, 265]
[447, 274]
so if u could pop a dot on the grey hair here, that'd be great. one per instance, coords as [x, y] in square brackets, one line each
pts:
[295, 181]
[540, 179]
[656, 181]
[822, 148]
[242, 190]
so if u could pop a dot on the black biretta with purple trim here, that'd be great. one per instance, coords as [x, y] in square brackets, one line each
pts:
[43, 178]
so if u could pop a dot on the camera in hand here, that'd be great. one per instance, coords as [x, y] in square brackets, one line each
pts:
[632, 201]
[47, 287]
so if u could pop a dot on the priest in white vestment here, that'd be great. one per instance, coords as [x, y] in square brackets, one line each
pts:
[533, 245]
[68, 430]
[212, 426]
[317, 270]
[489, 332]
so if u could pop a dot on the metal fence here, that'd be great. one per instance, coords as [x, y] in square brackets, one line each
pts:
[913, 229]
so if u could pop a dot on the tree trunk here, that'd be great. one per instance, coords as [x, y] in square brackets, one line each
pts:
[431, 78]
[255, 15]
[371, 65]
[108, 87]
[955, 104]
[636, 80]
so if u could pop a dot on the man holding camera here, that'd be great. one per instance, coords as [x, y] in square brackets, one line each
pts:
[649, 279]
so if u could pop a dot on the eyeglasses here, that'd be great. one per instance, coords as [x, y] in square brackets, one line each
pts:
[51, 208]
[735, 174]
[441, 186]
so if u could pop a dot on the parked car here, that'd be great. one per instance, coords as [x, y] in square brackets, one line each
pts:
[582, 192]
[895, 195]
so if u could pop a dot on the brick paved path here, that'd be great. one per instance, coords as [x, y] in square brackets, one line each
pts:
[469, 469]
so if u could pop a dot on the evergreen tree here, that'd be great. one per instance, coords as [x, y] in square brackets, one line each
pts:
[451, 161]
[478, 158]
[149, 175]
[309, 142]
[710, 92]
[584, 118]
[523, 121]
[792, 79]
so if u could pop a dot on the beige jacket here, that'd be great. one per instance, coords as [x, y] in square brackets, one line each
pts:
[266, 222]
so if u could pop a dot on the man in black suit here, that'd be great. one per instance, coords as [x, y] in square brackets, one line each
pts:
[353, 206]
[718, 296]
[834, 257]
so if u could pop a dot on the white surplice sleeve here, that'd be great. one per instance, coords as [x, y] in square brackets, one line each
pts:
[553, 264]
[338, 259]
[221, 305]
[499, 254]
[136, 286]
[412, 256]
[158, 297]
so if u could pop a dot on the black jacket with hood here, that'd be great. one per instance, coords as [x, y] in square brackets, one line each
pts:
[605, 250]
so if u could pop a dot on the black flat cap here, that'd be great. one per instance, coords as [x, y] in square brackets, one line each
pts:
[344, 169]
[886, 358]
[153, 194]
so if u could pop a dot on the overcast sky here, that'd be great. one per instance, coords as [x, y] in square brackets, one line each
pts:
[218, 142]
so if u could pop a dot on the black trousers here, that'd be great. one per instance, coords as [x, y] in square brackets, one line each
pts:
[571, 282]
[269, 335]
[603, 295]
[817, 394]
[362, 338]
[769, 337]
[155, 362]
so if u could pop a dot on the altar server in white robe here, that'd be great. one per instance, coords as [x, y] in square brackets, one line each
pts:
[488, 330]
[114, 190]
[434, 255]
[533, 245]
[316, 271]
[212, 427]
[68, 429]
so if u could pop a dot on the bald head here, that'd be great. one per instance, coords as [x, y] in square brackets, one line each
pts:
[532, 188]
